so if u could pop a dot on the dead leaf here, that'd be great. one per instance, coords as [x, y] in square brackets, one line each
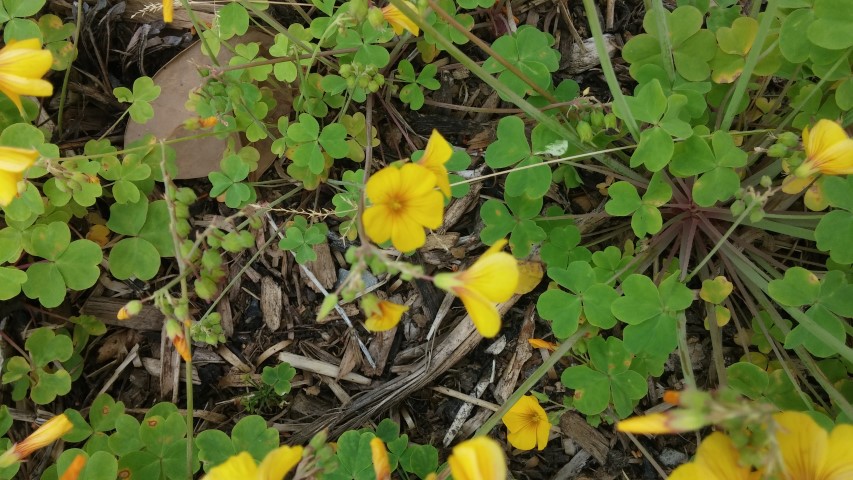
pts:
[529, 275]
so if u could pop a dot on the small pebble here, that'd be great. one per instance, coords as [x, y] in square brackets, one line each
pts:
[672, 458]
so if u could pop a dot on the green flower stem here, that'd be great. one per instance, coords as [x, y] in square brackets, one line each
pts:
[182, 274]
[529, 109]
[280, 29]
[141, 147]
[534, 377]
[751, 60]
[63, 96]
[607, 68]
[684, 352]
[490, 52]
[722, 240]
[289, 58]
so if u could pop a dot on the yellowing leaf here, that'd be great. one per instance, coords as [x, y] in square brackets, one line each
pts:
[716, 290]
[99, 234]
[529, 276]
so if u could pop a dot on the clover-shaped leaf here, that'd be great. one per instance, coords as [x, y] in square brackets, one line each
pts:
[650, 312]
[530, 50]
[279, 377]
[831, 28]
[718, 180]
[11, 280]
[300, 239]
[716, 290]
[523, 230]
[586, 297]
[561, 247]
[827, 300]
[608, 381]
[835, 229]
[645, 216]
[144, 92]
[511, 148]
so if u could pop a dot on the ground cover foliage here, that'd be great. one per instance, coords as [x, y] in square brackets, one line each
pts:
[426, 239]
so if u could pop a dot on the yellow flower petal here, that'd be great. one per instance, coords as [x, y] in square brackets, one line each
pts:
[379, 455]
[494, 276]
[398, 21]
[17, 160]
[692, 471]
[539, 343]
[22, 64]
[483, 312]
[403, 202]
[377, 224]
[386, 316]
[46, 434]
[437, 153]
[480, 458]
[8, 186]
[527, 424]
[168, 11]
[240, 466]
[654, 423]
[278, 463]
[828, 150]
[839, 454]
[803, 444]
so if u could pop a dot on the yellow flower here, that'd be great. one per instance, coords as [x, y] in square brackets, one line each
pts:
[480, 458]
[809, 452]
[437, 153]
[382, 315]
[46, 434]
[22, 64]
[674, 421]
[404, 201]
[398, 21]
[73, 471]
[716, 459]
[242, 466]
[528, 424]
[168, 11]
[491, 279]
[13, 163]
[828, 151]
[381, 466]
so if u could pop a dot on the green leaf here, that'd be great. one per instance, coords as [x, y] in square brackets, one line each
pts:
[252, 435]
[511, 145]
[128, 218]
[134, 258]
[11, 280]
[654, 150]
[279, 377]
[44, 347]
[592, 389]
[22, 8]
[48, 386]
[126, 438]
[831, 29]
[214, 448]
[104, 412]
[823, 319]
[49, 241]
[624, 199]
[798, 287]
[747, 379]
[79, 264]
[233, 20]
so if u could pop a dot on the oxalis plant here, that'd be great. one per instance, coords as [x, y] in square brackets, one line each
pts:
[726, 212]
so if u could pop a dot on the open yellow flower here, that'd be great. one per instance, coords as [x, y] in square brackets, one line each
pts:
[480, 458]
[491, 279]
[46, 434]
[168, 11]
[382, 315]
[403, 202]
[13, 163]
[381, 466]
[716, 459]
[809, 452]
[242, 466]
[528, 424]
[22, 64]
[829, 151]
[398, 21]
[437, 153]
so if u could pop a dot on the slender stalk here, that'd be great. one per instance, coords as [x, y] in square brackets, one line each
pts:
[197, 25]
[63, 96]
[663, 38]
[511, 96]
[751, 60]
[534, 377]
[607, 68]
[684, 351]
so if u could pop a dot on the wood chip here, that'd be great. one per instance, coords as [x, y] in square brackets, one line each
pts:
[271, 302]
[590, 439]
[105, 309]
[323, 268]
[304, 363]
[379, 349]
